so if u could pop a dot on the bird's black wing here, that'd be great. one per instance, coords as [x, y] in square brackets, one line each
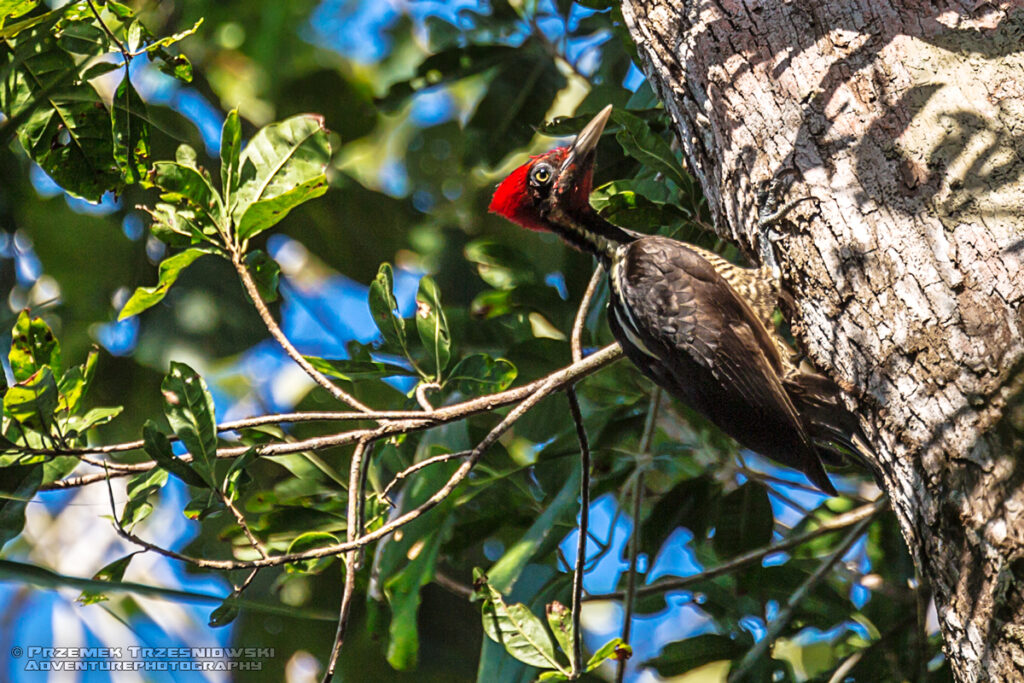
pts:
[685, 313]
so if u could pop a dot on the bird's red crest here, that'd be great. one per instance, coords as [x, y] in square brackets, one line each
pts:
[512, 198]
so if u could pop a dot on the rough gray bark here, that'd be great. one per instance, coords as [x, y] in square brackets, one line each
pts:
[905, 121]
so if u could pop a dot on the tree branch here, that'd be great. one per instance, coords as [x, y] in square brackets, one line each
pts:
[439, 416]
[634, 539]
[276, 333]
[353, 528]
[786, 613]
[835, 524]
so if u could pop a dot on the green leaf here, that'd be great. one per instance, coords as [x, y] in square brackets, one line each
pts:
[432, 325]
[282, 166]
[130, 132]
[167, 41]
[230, 151]
[158, 447]
[112, 573]
[685, 655]
[177, 66]
[560, 622]
[203, 504]
[65, 127]
[480, 374]
[223, 615]
[83, 38]
[178, 226]
[499, 265]
[170, 269]
[33, 401]
[33, 346]
[12, 9]
[99, 69]
[639, 142]
[77, 425]
[542, 536]
[265, 272]
[138, 490]
[384, 308]
[745, 520]
[407, 563]
[236, 472]
[18, 484]
[354, 370]
[183, 181]
[518, 629]
[189, 409]
[688, 504]
[120, 11]
[614, 648]
[311, 540]
[75, 382]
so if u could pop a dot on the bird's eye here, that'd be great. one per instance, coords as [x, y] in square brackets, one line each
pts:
[541, 175]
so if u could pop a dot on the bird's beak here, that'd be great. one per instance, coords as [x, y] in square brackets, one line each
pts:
[581, 154]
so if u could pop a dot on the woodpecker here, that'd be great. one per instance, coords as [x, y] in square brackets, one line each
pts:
[697, 325]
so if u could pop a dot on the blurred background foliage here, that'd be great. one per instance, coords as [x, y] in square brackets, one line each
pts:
[428, 104]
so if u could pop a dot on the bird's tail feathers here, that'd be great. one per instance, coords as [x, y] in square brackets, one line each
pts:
[836, 432]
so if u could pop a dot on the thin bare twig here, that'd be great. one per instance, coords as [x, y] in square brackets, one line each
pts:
[551, 383]
[581, 543]
[416, 467]
[421, 394]
[634, 539]
[581, 313]
[277, 334]
[354, 528]
[827, 527]
[561, 378]
[253, 541]
[576, 344]
[786, 613]
[120, 46]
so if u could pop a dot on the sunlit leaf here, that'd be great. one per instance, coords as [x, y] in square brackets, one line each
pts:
[138, 490]
[112, 573]
[66, 127]
[33, 345]
[310, 541]
[613, 649]
[520, 631]
[432, 325]
[265, 272]
[230, 156]
[158, 447]
[130, 132]
[189, 409]
[170, 269]
[480, 374]
[560, 622]
[282, 166]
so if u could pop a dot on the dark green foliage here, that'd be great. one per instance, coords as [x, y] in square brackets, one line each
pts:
[494, 311]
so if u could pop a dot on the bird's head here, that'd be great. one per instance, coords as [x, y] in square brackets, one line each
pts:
[553, 186]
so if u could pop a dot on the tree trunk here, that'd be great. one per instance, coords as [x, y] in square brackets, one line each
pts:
[905, 123]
